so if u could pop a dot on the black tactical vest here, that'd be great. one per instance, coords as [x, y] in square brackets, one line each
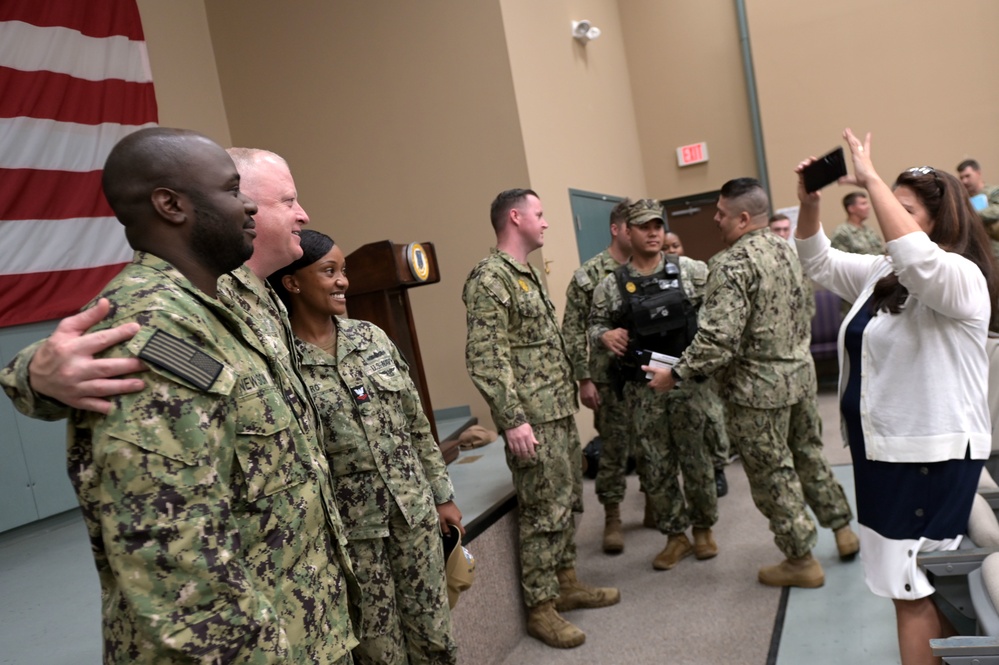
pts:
[657, 312]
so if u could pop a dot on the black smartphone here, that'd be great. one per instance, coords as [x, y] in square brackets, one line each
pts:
[824, 171]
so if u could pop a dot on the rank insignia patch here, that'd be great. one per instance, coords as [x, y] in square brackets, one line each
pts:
[360, 394]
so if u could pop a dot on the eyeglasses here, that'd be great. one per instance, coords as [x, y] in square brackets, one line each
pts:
[922, 170]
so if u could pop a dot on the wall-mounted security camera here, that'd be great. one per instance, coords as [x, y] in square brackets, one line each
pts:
[583, 31]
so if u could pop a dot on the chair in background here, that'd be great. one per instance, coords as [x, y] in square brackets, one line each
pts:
[825, 330]
[967, 583]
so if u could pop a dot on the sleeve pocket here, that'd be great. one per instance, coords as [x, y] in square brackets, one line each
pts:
[265, 445]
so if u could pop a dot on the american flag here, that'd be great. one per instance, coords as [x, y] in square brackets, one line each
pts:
[74, 79]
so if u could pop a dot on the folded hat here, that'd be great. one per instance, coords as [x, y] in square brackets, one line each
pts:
[475, 437]
[459, 566]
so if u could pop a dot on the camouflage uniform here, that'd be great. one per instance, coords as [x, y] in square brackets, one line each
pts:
[611, 418]
[208, 510]
[265, 315]
[669, 429]
[990, 216]
[389, 477]
[857, 240]
[754, 335]
[715, 432]
[517, 359]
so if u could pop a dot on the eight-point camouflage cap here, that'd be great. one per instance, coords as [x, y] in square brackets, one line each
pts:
[644, 210]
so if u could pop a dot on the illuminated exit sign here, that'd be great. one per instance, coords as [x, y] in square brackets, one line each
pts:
[695, 153]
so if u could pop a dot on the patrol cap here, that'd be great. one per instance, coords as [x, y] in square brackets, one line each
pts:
[645, 210]
[459, 566]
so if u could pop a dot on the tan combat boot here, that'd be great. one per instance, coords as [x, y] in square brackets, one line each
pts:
[573, 594]
[847, 543]
[705, 546]
[677, 548]
[804, 572]
[613, 536]
[545, 624]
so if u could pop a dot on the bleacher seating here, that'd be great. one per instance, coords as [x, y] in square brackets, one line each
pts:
[967, 581]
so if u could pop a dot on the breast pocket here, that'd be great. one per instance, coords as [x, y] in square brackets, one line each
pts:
[265, 445]
[385, 416]
[534, 320]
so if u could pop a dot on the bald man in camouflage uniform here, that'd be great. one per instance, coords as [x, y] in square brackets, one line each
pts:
[670, 430]
[208, 505]
[517, 359]
[592, 370]
[754, 335]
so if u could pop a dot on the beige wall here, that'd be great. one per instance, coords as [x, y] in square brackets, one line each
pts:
[915, 73]
[183, 65]
[686, 71]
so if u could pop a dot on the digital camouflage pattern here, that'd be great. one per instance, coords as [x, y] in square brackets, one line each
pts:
[389, 476]
[823, 493]
[514, 352]
[669, 429]
[207, 508]
[754, 333]
[753, 327]
[264, 313]
[15, 381]
[857, 240]
[611, 419]
[715, 434]
[549, 490]
[575, 321]
[990, 216]
[405, 619]
[760, 437]
[517, 360]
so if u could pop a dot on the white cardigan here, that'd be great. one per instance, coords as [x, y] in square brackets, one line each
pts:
[924, 381]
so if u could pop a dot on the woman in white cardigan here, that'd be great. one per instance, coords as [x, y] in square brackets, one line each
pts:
[913, 375]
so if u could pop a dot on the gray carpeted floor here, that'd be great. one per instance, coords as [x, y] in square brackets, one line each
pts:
[704, 612]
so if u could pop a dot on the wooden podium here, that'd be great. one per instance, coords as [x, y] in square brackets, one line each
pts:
[381, 274]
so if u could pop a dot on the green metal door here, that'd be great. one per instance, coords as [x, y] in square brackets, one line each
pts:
[591, 220]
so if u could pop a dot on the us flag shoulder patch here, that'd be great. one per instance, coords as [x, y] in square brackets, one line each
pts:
[182, 358]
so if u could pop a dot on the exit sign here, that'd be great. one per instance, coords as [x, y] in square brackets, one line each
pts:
[695, 153]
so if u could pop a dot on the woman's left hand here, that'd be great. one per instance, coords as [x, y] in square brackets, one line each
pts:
[863, 167]
[447, 514]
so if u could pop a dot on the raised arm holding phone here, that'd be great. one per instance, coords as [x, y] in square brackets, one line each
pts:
[923, 309]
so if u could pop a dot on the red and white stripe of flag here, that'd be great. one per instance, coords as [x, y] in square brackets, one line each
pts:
[74, 79]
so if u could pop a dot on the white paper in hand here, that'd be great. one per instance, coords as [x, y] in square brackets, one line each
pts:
[660, 360]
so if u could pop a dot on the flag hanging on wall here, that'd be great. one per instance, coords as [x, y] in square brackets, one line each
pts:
[74, 79]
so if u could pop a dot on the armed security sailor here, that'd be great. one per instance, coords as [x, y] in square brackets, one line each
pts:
[650, 305]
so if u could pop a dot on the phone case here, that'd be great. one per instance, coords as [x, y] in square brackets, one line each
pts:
[824, 171]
